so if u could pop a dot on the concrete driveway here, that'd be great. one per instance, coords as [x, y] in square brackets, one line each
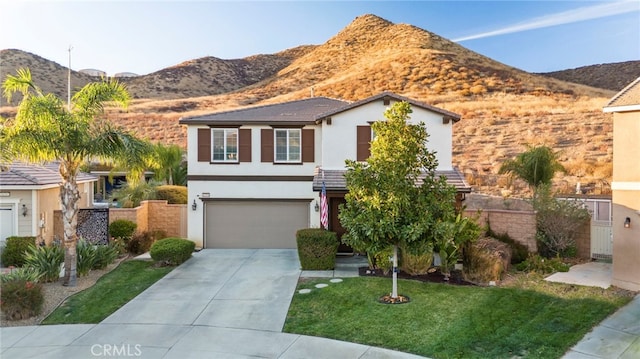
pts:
[219, 304]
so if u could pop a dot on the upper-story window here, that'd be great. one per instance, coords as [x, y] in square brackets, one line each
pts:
[224, 142]
[287, 145]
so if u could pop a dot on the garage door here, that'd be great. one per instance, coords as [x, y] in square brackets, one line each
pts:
[255, 223]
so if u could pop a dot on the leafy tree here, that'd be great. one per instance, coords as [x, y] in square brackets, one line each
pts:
[394, 198]
[47, 129]
[536, 166]
[168, 162]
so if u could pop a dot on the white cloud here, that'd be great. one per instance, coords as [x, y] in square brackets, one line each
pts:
[566, 17]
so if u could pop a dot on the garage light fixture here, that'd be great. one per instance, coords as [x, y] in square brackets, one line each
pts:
[627, 222]
[24, 210]
[194, 206]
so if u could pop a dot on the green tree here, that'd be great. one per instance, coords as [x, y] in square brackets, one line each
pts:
[394, 198]
[47, 129]
[168, 163]
[536, 166]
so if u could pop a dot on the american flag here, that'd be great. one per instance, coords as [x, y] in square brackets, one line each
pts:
[324, 209]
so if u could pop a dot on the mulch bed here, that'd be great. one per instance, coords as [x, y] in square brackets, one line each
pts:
[435, 276]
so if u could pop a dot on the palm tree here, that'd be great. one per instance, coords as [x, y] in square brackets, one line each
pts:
[46, 129]
[168, 161]
[536, 166]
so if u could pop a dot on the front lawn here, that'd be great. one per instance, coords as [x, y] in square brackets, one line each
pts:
[533, 319]
[110, 292]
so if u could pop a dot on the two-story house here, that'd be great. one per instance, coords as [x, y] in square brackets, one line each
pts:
[254, 174]
[625, 186]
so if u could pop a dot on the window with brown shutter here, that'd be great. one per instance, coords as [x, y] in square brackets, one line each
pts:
[244, 145]
[363, 143]
[308, 145]
[266, 145]
[204, 145]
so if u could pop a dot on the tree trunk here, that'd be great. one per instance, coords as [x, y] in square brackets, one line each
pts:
[69, 196]
[394, 291]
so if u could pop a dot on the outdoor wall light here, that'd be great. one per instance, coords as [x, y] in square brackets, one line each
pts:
[24, 210]
[194, 206]
[627, 222]
[317, 206]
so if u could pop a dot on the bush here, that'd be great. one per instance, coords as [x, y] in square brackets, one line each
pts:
[27, 274]
[519, 252]
[105, 255]
[173, 251]
[86, 257]
[141, 242]
[15, 249]
[122, 229]
[317, 248]
[173, 194]
[536, 263]
[416, 258]
[489, 259]
[381, 260]
[21, 299]
[47, 260]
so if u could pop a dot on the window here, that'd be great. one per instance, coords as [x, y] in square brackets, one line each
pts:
[287, 145]
[225, 144]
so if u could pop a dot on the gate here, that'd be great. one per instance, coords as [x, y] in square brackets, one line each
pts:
[601, 240]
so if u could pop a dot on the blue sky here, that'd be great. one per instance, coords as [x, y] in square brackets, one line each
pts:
[146, 36]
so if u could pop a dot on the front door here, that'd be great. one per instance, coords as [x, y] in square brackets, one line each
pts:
[334, 223]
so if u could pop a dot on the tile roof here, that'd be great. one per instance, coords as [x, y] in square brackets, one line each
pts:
[629, 95]
[22, 174]
[334, 180]
[292, 112]
[390, 95]
[306, 111]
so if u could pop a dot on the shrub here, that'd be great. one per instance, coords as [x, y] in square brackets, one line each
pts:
[536, 263]
[21, 299]
[122, 229]
[173, 251]
[86, 257]
[488, 258]
[519, 252]
[105, 255]
[141, 242]
[47, 260]
[381, 260]
[15, 249]
[317, 248]
[416, 258]
[27, 274]
[173, 194]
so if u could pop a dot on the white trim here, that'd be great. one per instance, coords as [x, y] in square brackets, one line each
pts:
[225, 145]
[288, 131]
[621, 108]
[625, 186]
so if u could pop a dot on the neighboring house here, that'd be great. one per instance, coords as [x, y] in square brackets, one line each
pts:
[625, 186]
[254, 174]
[28, 196]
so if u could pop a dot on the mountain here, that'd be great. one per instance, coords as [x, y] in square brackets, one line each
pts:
[503, 108]
[614, 76]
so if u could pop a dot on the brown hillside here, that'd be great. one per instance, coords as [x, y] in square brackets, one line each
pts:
[613, 76]
[502, 107]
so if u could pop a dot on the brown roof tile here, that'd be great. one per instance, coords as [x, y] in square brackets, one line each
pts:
[629, 95]
[22, 174]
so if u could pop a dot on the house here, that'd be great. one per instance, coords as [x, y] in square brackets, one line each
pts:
[625, 186]
[254, 174]
[29, 194]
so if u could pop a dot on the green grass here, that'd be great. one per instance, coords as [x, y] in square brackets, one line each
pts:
[110, 292]
[536, 319]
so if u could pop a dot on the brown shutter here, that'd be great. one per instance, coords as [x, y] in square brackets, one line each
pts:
[266, 145]
[363, 143]
[244, 145]
[308, 145]
[204, 145]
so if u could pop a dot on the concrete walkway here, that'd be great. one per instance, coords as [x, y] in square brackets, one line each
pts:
[219, 304]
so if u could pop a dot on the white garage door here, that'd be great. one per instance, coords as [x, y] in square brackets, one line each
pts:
[6, 223]
[254, 223]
